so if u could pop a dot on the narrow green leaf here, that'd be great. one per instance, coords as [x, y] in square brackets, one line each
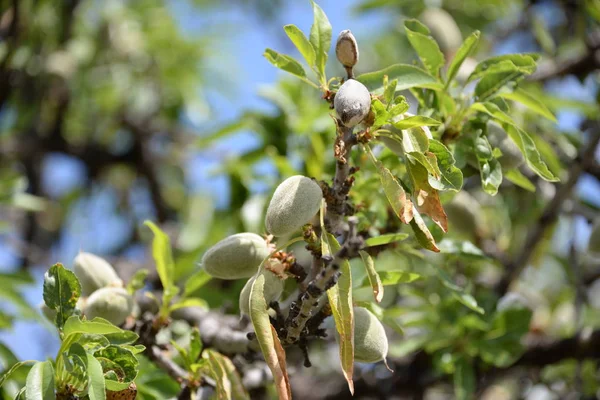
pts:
[464, 380]
[451, 177]
[489, 167]
[61, 292]
[414, 140]
[465, 50]
[229, 382]
[422, 233]
[469, 301]
[392, 278]
[492, 83]
[189, 302]
[302, 44]
[389, 92]
[163, 258]
[267, 338]
[340, 301]
[516, 177]
[96, 387]
[530, 102]
[385, 239]
[40, 382]
[5, 376]
[284, 62]
[394, 193]
[408, 76]
[320, 38]
[96, 326]
[195, 282]
[521, 138]
[374, 279]
[525, 63]
[138, 281]
[415, 121]
[426, 47]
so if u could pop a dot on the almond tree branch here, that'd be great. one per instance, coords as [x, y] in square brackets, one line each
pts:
[551, 211]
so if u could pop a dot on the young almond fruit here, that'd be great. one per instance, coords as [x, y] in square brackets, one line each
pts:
[370, 340]
[235, 257]
[295, 201]
[352, 103]
[94, 273]
[111, 303]
[272, 290]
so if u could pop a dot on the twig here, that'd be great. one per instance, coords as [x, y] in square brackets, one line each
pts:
[303, 308]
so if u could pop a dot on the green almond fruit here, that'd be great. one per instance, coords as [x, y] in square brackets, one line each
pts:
[235, 257]
[272, 290]
[111, 303]
[370, 340]
[94, 272]
[294, 203]
[352, 102]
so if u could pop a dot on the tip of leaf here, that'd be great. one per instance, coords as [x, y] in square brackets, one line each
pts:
[351, 386]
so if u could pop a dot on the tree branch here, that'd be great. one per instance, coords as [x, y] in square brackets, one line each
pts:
[551, 211]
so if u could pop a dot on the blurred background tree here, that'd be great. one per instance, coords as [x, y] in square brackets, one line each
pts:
[115, 112]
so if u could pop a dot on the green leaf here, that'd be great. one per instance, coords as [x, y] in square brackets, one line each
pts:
[120, 367]
[96, 326]
[285, 62]
[340, 301]
[422, 233]
[426, 47]
[492, 83]
[389, 92]
[40, 382]
[394, 192]
[228, 381]
[302, 44]
[526, 63]
[489, 167]
[96, 387]
[464, 380]
[320, 38]
[468, 300]
[451, 177]
[121, 338]
[408, 76]
[372, 275]
[163, 258]
[195, 282]
[516, 177]
[5, 376]
[138, 281]
[521, 138]
[530, 102]
[385, 239]
[61, 292]
[392, 278]
[465, 50]
[415, 121]
[268, 339]
[189, 302]
[195, 347]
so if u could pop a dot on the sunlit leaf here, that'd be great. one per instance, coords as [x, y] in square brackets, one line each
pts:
[408, 76]
[61, 292]
[302, 43]
[320, 38]
[372, 275]
[340, 301]
[465, 50]
[40, 382]
[426, 47]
